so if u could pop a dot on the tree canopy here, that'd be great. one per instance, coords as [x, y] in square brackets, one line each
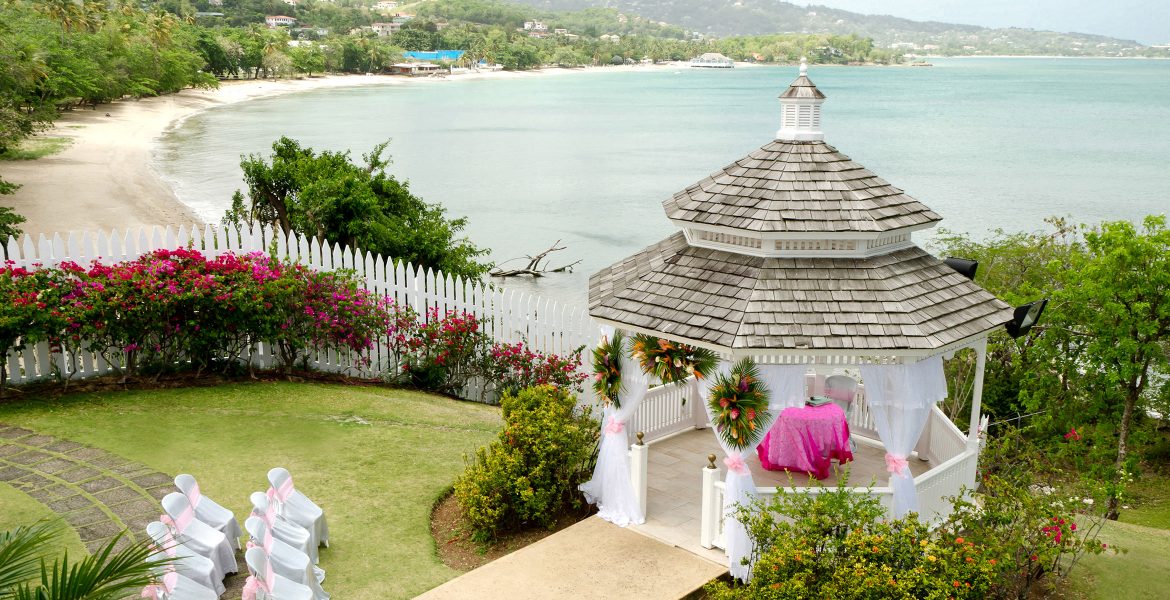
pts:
[327, 196]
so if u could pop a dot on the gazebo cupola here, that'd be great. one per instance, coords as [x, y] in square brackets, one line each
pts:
[798, 196]
[800, 110]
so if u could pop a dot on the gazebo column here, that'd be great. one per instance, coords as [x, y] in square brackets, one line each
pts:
[977, 393]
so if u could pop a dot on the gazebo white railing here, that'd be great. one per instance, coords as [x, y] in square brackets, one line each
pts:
[954, 455]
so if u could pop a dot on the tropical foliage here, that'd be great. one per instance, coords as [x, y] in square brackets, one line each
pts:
[1097, 361]
[738, 404]
[1019, 534]
[178, 308]
[326, 196]
[528, 477]
[107, 574]
[607, 368]
[672, 362]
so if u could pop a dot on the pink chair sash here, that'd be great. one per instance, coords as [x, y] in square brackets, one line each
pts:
[166, 586]
[184, 519]
[253, 584]
[194, 495]
[282, 493]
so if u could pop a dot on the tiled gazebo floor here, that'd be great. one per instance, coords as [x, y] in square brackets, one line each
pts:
[675, 488]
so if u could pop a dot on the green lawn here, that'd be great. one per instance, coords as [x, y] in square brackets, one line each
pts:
[1141, 573]
[19, 509]
[376, 482]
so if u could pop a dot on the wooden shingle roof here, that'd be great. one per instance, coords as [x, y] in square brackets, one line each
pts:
[806, 187]
[904, 300]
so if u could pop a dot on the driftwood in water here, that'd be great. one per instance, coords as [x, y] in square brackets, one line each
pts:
[533, 267]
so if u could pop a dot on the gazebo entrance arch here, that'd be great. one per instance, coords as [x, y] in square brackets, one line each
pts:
[802, 260]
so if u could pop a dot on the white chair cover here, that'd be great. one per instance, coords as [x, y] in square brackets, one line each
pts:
[282, 529]
[188, 564]
[285, 559]
[197, 535]
[900, 398]
[174, 586]
[264, 584]
[610, 488]
[296, 507]
[208, 511]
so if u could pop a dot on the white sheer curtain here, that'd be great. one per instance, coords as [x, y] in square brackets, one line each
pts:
[900, 398]
[611, 489]
[785, 383]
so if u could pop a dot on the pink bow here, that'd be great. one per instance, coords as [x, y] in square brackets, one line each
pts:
[164, 587]
[735, 464]
[614, 426]
[194, 495]
[896, 464]
[251, 586]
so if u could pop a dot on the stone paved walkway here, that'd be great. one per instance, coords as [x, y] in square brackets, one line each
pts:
[98, 493]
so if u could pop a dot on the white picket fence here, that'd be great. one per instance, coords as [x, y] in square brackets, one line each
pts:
[508, 316]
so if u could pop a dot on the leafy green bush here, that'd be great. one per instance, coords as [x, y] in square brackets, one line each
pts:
[528, 477]
[1025, 528]
[837, 544]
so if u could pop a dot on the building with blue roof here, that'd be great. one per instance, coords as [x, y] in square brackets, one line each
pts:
[438, 55]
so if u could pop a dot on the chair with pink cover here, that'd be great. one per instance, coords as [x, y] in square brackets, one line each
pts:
[282, 529]
[188, 564]
[296, 507]
[197, 535]
[173, 586]
[209, 511]
[285, 559]
[264, 584]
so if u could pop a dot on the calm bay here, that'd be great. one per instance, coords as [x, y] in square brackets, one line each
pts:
[588, 158]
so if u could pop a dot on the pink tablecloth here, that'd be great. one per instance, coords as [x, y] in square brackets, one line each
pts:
[806, 439]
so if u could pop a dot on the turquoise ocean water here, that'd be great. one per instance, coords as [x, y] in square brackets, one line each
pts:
[588, 158]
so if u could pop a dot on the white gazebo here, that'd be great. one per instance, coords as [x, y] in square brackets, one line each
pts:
[803, 260]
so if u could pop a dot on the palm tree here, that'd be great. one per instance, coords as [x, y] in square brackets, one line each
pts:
[104, 575]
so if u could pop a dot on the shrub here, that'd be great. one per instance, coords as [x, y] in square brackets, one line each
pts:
[513, 367]
[528, 477]
[1016, 533]
[836, 544]
[172, 306]
[443, 354]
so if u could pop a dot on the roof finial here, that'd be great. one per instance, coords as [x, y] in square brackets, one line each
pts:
[803, 66]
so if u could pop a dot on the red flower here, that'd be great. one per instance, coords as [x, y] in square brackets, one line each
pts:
[1072, 434]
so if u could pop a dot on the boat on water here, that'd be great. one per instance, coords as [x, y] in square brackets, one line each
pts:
[712, 60]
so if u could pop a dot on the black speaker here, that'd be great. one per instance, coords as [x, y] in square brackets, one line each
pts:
[963, 266]
[1025, 317]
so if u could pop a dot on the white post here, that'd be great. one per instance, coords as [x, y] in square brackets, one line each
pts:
[640, 471]
[709, 521]
[977, 395]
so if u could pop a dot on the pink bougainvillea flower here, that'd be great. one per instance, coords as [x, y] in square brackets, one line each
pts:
[1072, 434]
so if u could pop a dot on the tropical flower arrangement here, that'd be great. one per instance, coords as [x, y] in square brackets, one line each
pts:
[739, 401]
[607, 368]
[672, 362]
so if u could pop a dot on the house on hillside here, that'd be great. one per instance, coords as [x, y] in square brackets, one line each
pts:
[385, 29]
[274, 21]
[385, 5]
[610, 37]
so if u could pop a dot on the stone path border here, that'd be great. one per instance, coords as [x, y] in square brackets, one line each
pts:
[98, 493]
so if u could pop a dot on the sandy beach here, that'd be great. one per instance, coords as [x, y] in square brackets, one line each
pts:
[104, 179]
